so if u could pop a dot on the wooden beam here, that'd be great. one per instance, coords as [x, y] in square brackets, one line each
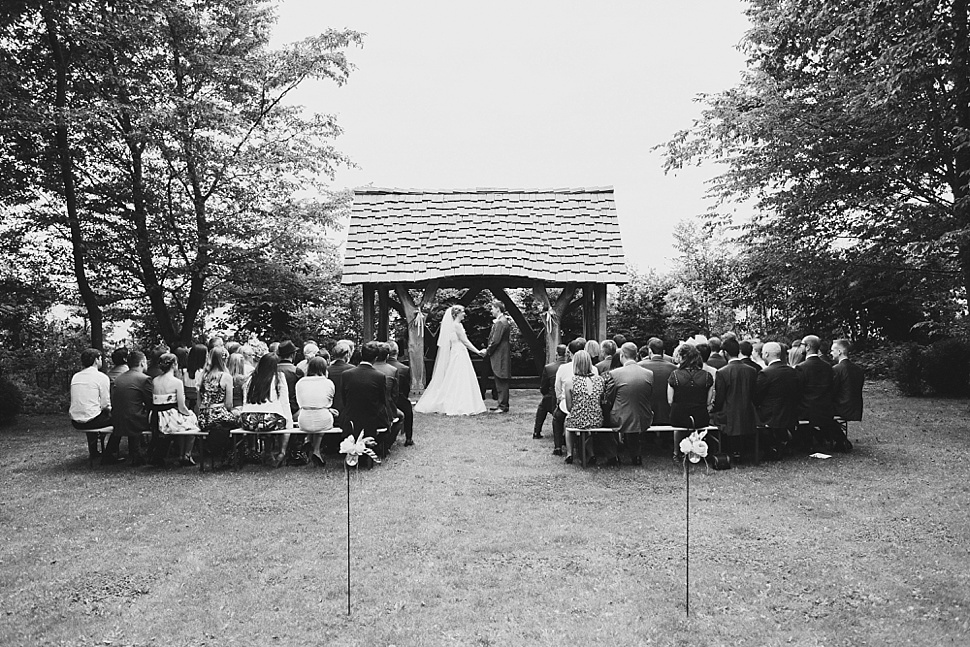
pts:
[600, 307]
[416, 332]
[383, 311]
[470, 295]
[429, 293]
[367, 331]
[550, 320]
[589, 319]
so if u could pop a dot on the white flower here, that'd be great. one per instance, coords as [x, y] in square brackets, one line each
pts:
[357, 448]
[694, 447]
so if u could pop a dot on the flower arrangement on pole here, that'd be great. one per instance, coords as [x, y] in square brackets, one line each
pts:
[354, 449]
[694, 449]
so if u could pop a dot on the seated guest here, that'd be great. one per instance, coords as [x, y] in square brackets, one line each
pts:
[119, 363]
[610, 358]
[249, 355]
[776, 397]
[286, 351]
[394, 389]
[582, 396]
[797, 353]
[629, 392]
[266, 405]
[341, 356]
[547, 380]
[733, 406]
[746, 348]
[593, 348]
[172, 412]
[314, 394]
[847, 383]
[716, 359]
[310, 350]
[365, 396]
[156, 354]
[690, 392]
[661, 370]
[216, 394]
[91, 398]
[131, 398]
[198, 356]
[233, 347]
[564, 375]
[705, 352]
[237, 369]
[403, 393]
[216, 341]
[816, 378]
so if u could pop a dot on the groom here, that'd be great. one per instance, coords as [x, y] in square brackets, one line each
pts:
[498, 356]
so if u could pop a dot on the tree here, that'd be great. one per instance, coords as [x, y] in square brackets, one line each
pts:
[179, 138]
[851, 124]
[638, 310]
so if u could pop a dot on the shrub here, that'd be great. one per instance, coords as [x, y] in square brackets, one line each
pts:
[908, 371]
[11, 401]
[946, 367]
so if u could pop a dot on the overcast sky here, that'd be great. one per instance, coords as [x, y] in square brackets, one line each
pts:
[529, 94]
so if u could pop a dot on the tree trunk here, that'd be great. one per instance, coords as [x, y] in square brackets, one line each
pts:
[66, 167]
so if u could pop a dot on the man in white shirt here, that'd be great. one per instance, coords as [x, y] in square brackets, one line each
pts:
[563, 376]
[91, 398]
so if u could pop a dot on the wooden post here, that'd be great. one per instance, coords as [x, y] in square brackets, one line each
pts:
[600, 307]
[415, 337]
[550, 320]
[589, 316]
[383, 312]
[367, 332]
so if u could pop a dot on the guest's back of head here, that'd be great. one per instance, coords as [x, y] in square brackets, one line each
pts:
[119, 356]
[317, 366]
[370, 351]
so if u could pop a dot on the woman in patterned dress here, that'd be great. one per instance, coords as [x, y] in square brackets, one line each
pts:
[168, 402]
[583, 399]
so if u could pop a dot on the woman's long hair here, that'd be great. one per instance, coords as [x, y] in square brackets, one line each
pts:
[236, 364]
[197, 359]
[261, 381]
[216, 363]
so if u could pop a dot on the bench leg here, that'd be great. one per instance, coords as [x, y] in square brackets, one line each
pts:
[582, 447]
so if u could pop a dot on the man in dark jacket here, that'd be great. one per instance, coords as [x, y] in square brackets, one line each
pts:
[816, 406]
[628, 393]
[847, 382]
[498, 356]
[661, 369]
[392, 394]
[734, 386]
[403, 393]
[776, 397]
[547, 383]
[131, 399]
[365, 390]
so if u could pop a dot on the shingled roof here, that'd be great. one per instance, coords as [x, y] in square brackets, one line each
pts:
[558, 236]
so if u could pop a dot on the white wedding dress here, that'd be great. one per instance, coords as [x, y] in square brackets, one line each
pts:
[454, 388]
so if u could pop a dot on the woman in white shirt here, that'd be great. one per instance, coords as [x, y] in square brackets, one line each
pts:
[314, 394]
[266, 404]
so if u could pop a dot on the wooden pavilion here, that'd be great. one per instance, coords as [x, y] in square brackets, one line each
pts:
[401, 240]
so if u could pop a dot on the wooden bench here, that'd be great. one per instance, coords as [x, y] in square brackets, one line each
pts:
[102, 432]
[586, 435]
[239, 434]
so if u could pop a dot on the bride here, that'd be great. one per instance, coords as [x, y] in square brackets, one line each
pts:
[454, 388]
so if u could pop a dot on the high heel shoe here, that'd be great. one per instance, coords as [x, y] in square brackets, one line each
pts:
[317, 460]
[569, 460]
[279, 460]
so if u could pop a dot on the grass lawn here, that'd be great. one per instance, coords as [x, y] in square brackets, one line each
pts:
[477, 535]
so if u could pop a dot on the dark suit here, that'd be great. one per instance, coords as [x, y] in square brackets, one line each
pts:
[847, 381]
[364, 391]
[335, 373]
[131, 401]
[816, 378]
[403, 393]
[547, 387]
[289, 371]
[734, 387]
[498, 356]
[393, 389]
[716, 360]
[661, 371]
[777, 396]
[629, 391]
[747, 361]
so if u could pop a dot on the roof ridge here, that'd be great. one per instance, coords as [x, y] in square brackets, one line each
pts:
[478, 190]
